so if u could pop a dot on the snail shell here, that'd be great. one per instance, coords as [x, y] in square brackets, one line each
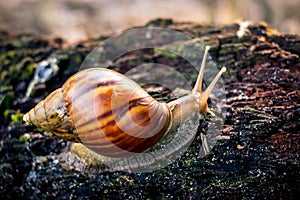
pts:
[106, 111]
[112, 115]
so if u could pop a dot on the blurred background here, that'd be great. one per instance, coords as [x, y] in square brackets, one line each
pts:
[76, 20]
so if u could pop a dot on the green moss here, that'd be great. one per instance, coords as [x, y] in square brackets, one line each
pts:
[166, 53]
[48, 134]
[6, 113]
[23, 138]
[189, 50]
[22, 70]
[28, 70]
[40, 129]
[6, 100]
[17, 44]
[17, 118]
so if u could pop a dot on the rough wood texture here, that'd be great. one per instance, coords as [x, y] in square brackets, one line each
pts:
[259, 160]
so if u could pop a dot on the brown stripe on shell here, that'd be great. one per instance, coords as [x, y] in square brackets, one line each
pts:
[73, 94]
[99, 125]
[92, 87]
[110, 112]
[41, 116]
[111, 122]
[51, 103]
[107, 124]
[127, 144]
[79, 80]
[118, 138]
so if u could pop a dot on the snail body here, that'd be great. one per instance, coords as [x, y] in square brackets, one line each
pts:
[112, 116]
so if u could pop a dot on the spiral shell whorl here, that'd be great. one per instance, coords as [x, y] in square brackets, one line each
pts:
[112, 115]
[50, 114]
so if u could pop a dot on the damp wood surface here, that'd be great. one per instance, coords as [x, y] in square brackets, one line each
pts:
[258, 156]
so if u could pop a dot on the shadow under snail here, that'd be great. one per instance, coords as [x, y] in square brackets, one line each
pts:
[111, 116]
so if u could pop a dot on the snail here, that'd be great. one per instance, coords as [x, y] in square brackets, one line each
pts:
[111, 116]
